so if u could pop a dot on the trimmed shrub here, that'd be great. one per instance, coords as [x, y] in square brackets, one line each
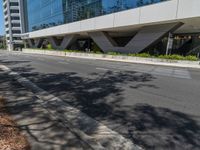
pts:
[49, 47]
[73, 51]
[192, 58]
[114, 53]
[178, 57]
[146, 55]
[143, 55]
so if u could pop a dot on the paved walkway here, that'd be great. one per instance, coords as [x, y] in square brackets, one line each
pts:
[154, 107]
[43, 132]
[53, 116]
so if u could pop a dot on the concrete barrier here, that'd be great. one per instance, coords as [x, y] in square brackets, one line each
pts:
[54, 53]
[130, 59]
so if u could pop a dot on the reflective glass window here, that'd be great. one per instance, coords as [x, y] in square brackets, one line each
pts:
[47, 13]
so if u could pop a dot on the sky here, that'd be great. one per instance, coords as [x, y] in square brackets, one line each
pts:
[1, 19]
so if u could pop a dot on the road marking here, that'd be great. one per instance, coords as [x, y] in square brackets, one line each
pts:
[63, 62]
[168, 72]
[80, 123]
[103, 69]
[154, 70]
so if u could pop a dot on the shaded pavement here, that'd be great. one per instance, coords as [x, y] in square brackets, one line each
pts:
[155, 121]
[43, 132]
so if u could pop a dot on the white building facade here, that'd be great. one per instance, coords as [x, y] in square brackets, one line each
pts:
[125, 26]
[13, 24]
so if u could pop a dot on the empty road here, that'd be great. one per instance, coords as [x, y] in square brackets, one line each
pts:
[155, 107]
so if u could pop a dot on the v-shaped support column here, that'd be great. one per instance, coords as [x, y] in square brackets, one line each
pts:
[30, 42]
[104, 41]
[35, 43]
[143, 39]
[66, 42]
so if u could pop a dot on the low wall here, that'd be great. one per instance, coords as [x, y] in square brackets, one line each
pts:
[141, 60]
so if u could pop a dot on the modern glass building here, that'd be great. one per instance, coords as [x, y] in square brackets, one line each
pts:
[125, 26]
[47, 13]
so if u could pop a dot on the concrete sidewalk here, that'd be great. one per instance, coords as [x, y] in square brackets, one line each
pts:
[89, 131]
[129, 59]
[43, 132]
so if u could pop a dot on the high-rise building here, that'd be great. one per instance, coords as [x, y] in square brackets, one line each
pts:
[13, 23]
[127, 26]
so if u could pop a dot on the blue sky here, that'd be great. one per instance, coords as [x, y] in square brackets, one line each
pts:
[1, 18]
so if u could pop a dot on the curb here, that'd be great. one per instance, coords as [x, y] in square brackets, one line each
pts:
[72, 118]
[127, 59]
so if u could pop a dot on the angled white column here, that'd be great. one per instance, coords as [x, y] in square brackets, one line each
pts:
[143, 39]
[150, 35]
[35, 43]
[65, 43]
[30, 42]
[104, 41]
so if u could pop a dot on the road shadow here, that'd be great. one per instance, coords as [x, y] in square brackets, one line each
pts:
[100, 96]
[42, 131]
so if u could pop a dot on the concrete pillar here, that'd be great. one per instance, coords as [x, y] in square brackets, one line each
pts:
[35, 43]
[143, 39]
[169, 44]
[65, 43]
[25, 44]
[104, 41]
[10, 47]
[30, 43]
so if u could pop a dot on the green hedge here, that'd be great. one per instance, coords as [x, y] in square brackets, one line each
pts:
[141, 55]
[73, 51]
[49, 47]
[146, 55]
[178, 57]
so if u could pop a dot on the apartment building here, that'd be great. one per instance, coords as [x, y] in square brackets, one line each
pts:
[13, 24]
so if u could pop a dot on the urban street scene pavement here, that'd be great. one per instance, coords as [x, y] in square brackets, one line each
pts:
[154, 107]
[99, 75]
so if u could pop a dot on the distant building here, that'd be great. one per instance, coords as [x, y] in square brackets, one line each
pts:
[126, 26]
[13, 23]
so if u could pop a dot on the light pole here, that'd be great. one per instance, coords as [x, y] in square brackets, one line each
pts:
[169, 43]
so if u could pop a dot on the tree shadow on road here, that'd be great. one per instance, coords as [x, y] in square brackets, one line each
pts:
[43, 132]
[100, 96]
[149, 126]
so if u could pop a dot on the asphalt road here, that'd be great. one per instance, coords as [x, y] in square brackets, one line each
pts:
[156, 107]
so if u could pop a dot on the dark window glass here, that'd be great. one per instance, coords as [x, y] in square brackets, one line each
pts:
[15, 18]
[14, 11]
[16, 31]
[15, 24]
[14, 4]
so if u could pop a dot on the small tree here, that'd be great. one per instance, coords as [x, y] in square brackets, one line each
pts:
[2, 42]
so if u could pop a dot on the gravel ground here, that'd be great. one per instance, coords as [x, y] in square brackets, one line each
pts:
[10, 136]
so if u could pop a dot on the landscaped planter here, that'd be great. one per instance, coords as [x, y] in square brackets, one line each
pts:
[133, 59]
[54, 53]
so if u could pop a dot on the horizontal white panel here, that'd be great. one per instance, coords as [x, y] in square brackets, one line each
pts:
[188, 8]
[64, 29]
[74, 27]
[88, 24]
[126, 18]
[159, 12]
[106, 21]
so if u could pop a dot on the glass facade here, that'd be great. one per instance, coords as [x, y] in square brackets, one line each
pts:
[47, 13]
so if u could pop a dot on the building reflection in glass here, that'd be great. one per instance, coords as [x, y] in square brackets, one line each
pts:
[47, 13]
